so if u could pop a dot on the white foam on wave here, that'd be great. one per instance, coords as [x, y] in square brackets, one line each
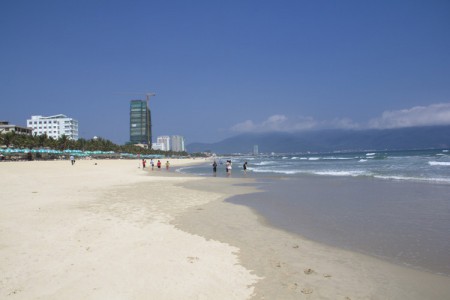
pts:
[342, 173]
[439, 163]
[287, 172]
[406, 178]
[362, 160]
[370, 154]
[314, 158]
[337, 158]
[264, 163]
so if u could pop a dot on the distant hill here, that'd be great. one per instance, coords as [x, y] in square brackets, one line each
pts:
[332, 140]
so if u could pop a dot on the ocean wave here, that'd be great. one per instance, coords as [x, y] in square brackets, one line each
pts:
[407, 178]
[287, 172]
[439, 163]
[342, 173]
[264, 163]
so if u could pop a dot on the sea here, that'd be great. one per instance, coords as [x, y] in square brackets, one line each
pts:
[411, 165]
[393, 205]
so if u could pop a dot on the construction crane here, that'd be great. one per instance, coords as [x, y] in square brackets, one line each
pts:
[149, 126]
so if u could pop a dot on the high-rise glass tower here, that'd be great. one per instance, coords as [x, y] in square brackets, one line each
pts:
[140, 123]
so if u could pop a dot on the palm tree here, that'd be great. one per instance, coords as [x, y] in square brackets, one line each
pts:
[8, 138]
[62, 142]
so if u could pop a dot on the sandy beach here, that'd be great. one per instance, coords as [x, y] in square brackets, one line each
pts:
[107, 229]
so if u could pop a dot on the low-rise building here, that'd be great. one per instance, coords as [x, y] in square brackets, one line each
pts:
[158, 146]
[54, 126]
[5, 127]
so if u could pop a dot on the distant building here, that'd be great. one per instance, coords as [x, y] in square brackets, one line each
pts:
[140, 123]
[5, 127]
[158, 146]
[255, 150]
[54, 126]
[177, 143]
[165, 141]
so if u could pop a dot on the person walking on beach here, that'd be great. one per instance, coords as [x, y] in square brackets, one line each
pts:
[245, 167]
[214, 167]
[72, 159]
[152, 163]
[143, 163]
[159, 164]
[228, 167]
[167, 165]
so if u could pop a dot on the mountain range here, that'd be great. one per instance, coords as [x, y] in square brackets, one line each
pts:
[332, 140]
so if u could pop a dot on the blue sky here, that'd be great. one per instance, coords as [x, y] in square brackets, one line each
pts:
[220, 68]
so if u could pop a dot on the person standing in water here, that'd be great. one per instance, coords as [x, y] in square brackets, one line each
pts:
[214, 167]
[245, 167]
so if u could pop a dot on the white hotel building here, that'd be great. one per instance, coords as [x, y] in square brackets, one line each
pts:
[167, 143]
[177, 143]
[54, 126]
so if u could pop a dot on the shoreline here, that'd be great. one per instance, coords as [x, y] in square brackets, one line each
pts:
[294, 266]
[366, 215]
[113, 231]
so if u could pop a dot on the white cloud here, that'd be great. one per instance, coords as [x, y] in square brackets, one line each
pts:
[277, 123]
[435, 114]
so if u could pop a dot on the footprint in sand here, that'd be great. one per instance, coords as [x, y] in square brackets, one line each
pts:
[295, 246]
[307, 291]
[327, 275]
[308, 271]
[293, 286]
[192, 259]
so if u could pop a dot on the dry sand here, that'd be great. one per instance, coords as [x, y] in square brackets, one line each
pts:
[109, 230]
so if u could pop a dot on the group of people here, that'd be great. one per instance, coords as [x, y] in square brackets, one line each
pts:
[228, 167]
[152, 164]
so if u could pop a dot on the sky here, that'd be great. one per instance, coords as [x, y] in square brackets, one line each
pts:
[221, 68]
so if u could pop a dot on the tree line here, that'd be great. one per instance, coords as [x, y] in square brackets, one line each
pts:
[12, 139]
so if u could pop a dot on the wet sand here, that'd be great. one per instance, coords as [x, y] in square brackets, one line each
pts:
[401, 221]
[293, 267]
